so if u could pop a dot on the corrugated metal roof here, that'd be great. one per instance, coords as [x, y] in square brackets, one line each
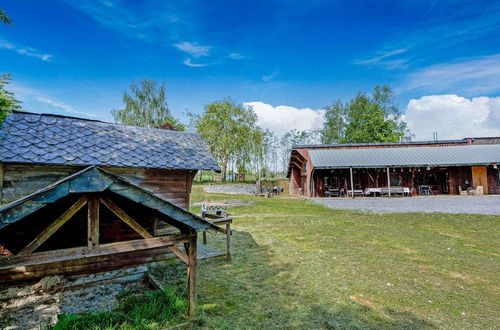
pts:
[411, 156]
[51, 139]
[378, 144]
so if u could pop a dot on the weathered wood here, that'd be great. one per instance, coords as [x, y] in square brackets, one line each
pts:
[352, 182]
[179, 253]
[54, 226]
[228, 242]
[93, 222]
[154, 281]
[192, 274]
[125, 217]
[389, 181]
[1, 182]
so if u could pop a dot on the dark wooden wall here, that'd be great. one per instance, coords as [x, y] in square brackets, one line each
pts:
[19, 180]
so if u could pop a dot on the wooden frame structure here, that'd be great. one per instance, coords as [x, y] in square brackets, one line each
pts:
[100, 192]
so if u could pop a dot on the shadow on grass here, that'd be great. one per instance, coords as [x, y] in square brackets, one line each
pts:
[258, 290]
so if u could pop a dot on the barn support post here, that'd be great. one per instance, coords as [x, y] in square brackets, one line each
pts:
[388, 181]
[192, 274]
[352, 182]
[1, 181]
[93, 222]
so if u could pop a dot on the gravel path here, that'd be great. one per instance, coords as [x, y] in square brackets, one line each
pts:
[431, 204]
[245, 189]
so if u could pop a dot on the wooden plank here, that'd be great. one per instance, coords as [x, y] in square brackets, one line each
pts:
[83, 252]
[125, 217]
[179, 253]
[192, 274]
[54, 226]
[93, 222]
[154, 281]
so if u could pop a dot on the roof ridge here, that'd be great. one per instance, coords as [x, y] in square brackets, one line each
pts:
[95, 120]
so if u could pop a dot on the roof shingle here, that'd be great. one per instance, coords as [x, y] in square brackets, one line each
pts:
[51, 139]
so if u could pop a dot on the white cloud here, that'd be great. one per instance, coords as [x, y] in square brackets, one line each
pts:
[475, 76]
[453, 117]
[282, 118]
[27, 51]
[63, 106]
[236, 56]
[270, 76]
[382, 59]
[193, 49]
[188, 62]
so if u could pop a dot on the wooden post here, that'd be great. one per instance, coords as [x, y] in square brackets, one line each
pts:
[191, 273]
[389, 181]
[228, 235]
[93, 222]
[1, 181]
[352, 182]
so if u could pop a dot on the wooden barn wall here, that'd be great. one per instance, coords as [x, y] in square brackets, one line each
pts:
[19, 180]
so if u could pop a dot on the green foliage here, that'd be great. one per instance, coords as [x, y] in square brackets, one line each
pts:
[231, 132]
[4, 18]
[295, 137]
[146, 106]
[7, 100]
[151, 310]
[365, 119]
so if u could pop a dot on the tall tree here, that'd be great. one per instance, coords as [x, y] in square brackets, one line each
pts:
[146, 105]
[228, 128]
[367, 123]
[366, 118]
[334, 123]
[7, 100]
[4, 18]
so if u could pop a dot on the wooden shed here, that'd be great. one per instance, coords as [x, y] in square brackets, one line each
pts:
[38, 149]
[85, 196]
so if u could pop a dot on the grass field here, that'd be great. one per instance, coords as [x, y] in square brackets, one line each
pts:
[299, 265]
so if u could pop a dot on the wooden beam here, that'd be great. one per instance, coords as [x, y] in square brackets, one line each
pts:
[228, 241]
[2, 171]
[54, 226]
[192, 274]
[125, 217]
[296, 164]
[352, 182]
[93, 222]
[179, 253]
[81, 260]
[389, 182]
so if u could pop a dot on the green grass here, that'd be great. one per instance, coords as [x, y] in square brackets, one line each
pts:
[149, 310]
[297, 264]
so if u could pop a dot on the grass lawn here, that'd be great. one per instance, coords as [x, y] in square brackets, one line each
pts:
[297, 264]
[300, 265]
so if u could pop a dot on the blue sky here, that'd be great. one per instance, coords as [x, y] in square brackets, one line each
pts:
[77, 57]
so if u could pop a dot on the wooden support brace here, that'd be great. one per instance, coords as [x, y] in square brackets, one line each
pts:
[192, 274]
[53, 227]
[125, 217]
[179, 253]
[93, 222]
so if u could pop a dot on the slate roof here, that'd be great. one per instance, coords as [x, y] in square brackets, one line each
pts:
[95, 179]
[52, 139]
[395, 157]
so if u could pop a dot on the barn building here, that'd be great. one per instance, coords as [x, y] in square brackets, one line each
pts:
[411, 168]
